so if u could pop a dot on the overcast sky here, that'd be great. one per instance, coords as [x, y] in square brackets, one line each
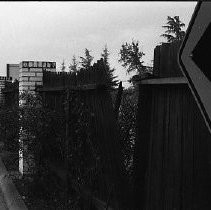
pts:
[53, 31]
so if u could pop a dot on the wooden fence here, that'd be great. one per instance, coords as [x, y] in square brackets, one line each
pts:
[165, 60]
[64, 93]
[91, 86]
[56, 83]
[172, 149]
[173, 146]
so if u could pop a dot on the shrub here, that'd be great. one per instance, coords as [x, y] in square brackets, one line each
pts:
[127, 124]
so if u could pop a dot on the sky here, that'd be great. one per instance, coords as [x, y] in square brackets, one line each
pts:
[55, 31]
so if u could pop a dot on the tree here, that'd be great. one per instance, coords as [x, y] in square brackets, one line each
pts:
[87, 60]
[174, 29]
[131, 57]
[110, 71]
[73, 67]
[105, 55]
[63, 67]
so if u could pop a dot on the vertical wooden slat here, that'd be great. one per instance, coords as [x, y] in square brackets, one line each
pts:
[142, 146]
[178, 170]
[177, 148]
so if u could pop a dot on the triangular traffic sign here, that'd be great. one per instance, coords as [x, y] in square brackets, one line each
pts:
[195, 58]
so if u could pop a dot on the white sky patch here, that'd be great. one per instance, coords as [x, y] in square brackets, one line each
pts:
[53, 31]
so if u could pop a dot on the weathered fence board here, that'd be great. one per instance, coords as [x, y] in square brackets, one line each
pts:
[142, 147]
[177, 171]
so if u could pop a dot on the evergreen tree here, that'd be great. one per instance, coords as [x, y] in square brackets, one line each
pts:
[110, 71]
[105, 55]
[63, 66]
[73, 67]
[174, 29]
[87, 60]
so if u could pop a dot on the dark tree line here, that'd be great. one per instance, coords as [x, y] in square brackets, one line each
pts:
[86, 61]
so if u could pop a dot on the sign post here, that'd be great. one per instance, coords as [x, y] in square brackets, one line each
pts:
[195, 58]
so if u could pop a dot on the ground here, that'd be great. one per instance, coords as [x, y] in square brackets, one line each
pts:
[35, 199]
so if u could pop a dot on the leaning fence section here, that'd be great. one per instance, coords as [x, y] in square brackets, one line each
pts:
[55, 83]
[93, 75]
[85, 96]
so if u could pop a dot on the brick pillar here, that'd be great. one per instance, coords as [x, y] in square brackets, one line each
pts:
[30, 75]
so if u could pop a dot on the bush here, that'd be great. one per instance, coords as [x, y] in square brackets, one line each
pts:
[127, 124]
[9, 128]
[44, 132]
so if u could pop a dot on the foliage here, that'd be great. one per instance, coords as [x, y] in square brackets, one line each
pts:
[174, 29]
[84, 153]
[130, 57]
[9, 127]
[127, 123]
[110, 71]
[40, 127]
[73, 67]
[63, 66]
[44, 132]
[87, 60]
